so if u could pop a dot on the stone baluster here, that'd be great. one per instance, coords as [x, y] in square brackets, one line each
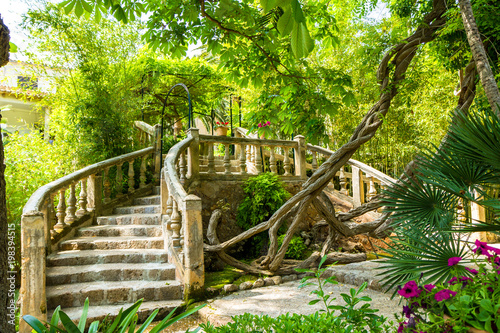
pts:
[53, 215]
[227, 160]
[119, 180]
[61, 211]
[71, 209]
[175, 225]
[182, 167]
[372, 191]
[131, 175]
[343, 182]
[142, 176]
[286, 162]
[243, 162]
[258, 159]
[252, 154]
[211, 160]
[358, 187]
[82, 202]
[314, 161]
[272, 161]
[249, 153]
[107, 187]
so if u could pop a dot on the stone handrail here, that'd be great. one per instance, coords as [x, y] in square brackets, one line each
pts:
[181, 216]
[42, 228]
[361, 174]
[150, 135]
[145, 127]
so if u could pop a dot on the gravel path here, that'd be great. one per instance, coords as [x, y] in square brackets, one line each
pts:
[287, 297]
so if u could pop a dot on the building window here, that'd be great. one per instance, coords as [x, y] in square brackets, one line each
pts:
[27, 82]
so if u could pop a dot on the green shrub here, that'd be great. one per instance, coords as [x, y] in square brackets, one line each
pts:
[296, 247]
[264, 194]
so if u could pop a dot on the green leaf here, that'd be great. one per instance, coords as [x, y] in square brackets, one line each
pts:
[83, 318]
[148, 321]
[87, 6]
[35, 324]
[301, 41]
[298, 15]
[12, 47]
[286, 23]
[314, 301]
[93, 327]
[55, 319]
[68, 323]
[68, 5]
[78, 8]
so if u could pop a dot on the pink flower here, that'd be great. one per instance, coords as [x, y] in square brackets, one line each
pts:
[268, 123]
[409, 290]
[429, 287]
[453, 261]
[471, 270]
[482, 248]
[453, 280]
[444, 295]
[260, 125]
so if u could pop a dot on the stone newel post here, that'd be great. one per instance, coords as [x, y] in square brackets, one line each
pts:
[157, 152]
[358, 188]
[194, 274]
[300, 157]
[33, 247]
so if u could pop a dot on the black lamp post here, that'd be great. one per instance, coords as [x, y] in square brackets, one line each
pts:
[163, 110]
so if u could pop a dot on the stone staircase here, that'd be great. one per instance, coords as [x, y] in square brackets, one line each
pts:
[115, 263]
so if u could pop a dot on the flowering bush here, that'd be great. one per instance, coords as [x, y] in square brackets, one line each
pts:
[470, 300]
[260, 125]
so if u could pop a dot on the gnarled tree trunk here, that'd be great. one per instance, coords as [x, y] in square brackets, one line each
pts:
[390, 73]
[478, 52]
[5, 326]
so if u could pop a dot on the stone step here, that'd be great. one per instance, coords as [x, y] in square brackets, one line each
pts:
[108, 243]
[143, 219]
[99, 312]
[120, 230]
[144, 209]
[92, 257]
[148, 200]
[109, 272]
[156, 190]
[111, 292]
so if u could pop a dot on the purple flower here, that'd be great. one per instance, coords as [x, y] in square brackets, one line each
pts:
[260, 125]
[429, 287]
[481, 248]
[407, 311]
[444, 295]
[471, 270]
[401, 327]
[453, 280]
[453, 261]
[409, 290]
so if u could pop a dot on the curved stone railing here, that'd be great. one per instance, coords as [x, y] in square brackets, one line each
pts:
[181, 216]
[150, 136]
[54, 211]
[361, 183]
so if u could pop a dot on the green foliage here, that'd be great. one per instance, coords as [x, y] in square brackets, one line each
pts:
[126, 321]
[295, 249]
[466, 169]
[264, 194]
[31, 163]
[92, 108]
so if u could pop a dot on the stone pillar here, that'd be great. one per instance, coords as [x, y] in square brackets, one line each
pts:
[478, 214]
[358, 188]
[194, 153]
[300, 157]
[33, 249]
[163, 193]
[157, 153]
[94, 195]
[194, 273]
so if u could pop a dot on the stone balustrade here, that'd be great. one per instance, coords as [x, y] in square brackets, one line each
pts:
[358, 182]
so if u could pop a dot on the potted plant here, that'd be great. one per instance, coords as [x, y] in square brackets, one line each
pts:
[221, 128]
